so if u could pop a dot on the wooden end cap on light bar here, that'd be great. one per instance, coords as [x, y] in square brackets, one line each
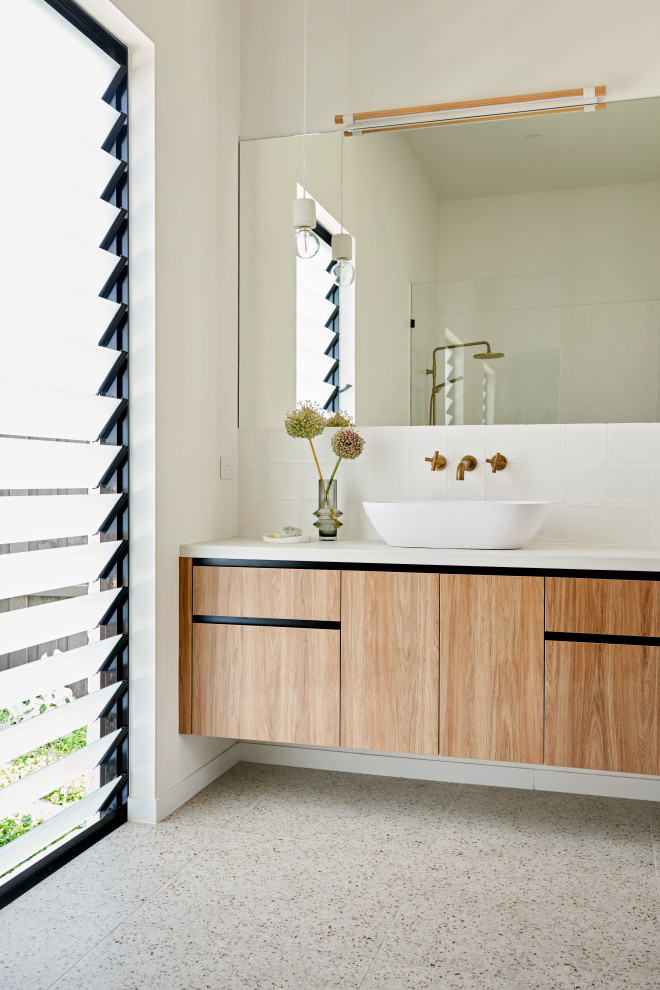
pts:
[372, 116]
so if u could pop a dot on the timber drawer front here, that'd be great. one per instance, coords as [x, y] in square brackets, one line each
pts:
[267, 593]
[602, 606]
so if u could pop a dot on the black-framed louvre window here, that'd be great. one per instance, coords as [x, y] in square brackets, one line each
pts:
[317, 334]
[63, 437]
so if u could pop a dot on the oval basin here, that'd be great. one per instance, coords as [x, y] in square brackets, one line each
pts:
[457, 525]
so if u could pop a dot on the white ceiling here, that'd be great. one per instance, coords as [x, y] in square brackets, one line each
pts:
[619, 144]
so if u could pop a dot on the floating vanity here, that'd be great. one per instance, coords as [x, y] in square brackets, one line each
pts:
[548, 656]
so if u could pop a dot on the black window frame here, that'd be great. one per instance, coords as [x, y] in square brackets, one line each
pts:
[116, 526]
[332, 324]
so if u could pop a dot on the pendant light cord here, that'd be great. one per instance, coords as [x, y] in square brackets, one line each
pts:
[341, 185]
[304, 182]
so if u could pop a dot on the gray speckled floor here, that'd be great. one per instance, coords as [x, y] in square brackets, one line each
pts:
[280, 878]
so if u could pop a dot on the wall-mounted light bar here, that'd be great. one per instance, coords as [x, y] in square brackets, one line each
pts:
[467, 111]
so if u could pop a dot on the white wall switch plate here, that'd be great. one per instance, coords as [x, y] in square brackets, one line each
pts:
[226, 468]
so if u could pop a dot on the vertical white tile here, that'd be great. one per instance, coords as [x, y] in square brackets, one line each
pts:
[355, 480]
[508, 440]
[252, 445]
[545, 482]
[252, 517]
[507, 485]
[628, 524]
[586, 524]
[655, 442]
[462, 440]
[553, 529]
[390, 445]
[654, 485]
[427, 485]
[586, 443]
[252, 481]
[283, 512]
[284, 481]
[628, 443]
[654, 525]
[425, 440]
[628, 483]
[586, 483]
[391, 482]
[283, 449]
[545, 444]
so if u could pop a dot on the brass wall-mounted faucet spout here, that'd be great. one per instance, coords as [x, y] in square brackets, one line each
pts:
[437, 462]
[468, 463]
[498, 462]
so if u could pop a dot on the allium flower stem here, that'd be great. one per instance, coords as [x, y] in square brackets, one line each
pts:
[334, 472]
[318, 466]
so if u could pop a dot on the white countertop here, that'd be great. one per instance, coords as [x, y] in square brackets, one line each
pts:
[544, 556]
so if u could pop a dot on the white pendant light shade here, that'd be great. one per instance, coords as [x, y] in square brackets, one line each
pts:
[342, 252]
[305, 241]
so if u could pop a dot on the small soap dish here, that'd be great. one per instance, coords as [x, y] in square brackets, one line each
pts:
[271, 538]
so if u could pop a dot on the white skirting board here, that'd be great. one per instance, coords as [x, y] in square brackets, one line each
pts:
[155, 810]
[600, 783]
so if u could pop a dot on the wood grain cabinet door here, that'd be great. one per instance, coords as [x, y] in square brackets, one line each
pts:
[602, 707]
[271, 683]
[389, 661]
[491, 667]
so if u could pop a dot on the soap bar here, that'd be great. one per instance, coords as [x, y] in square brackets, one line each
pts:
[290, 531]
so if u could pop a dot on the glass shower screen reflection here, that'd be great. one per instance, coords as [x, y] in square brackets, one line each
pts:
[486, 351]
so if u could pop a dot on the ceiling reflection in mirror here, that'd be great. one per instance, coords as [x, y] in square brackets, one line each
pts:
[506, 272]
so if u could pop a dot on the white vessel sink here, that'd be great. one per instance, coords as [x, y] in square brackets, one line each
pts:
[457, 525]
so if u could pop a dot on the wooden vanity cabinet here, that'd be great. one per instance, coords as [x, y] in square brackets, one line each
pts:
[259, 653]
[389, 661]
[491, 667]
[602, 690]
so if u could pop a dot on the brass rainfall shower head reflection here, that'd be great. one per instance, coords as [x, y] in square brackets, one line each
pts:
[481, 356]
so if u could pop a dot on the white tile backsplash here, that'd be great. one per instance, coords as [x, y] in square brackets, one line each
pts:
[604, 480]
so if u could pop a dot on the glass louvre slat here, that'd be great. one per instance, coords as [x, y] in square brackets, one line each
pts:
[66, 207]
[44, 32]
[313, 389]
[43, 623]
[31, 679]
[34, 411]
[316, 364]
[67, 312]
[35, 86]
[36, 359]
[29, 518]
[315, 306]
[314, 278]
[43, 835]
[43, 570]
[316, 338]
[14, 797]
[63, 152]
[55, 723]
[34, 249]
[34, 464]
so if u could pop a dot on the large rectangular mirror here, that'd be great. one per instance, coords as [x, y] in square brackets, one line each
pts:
[506, 272]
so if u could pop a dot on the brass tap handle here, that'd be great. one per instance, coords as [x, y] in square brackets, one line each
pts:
[498, 462]
[437, 462]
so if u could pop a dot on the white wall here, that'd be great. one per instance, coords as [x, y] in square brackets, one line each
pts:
[185, 405]
[374, 54]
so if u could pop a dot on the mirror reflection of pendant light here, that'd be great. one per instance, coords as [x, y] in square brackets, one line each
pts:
[305, 241]
[342, 244]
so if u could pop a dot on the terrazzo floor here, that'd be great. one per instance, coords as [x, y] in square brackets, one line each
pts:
[284, 878]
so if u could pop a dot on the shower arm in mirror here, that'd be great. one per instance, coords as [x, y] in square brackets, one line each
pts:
[435, 387]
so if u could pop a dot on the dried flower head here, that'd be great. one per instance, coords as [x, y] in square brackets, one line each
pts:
[306, 421]
[347, 443]
[339, 418]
